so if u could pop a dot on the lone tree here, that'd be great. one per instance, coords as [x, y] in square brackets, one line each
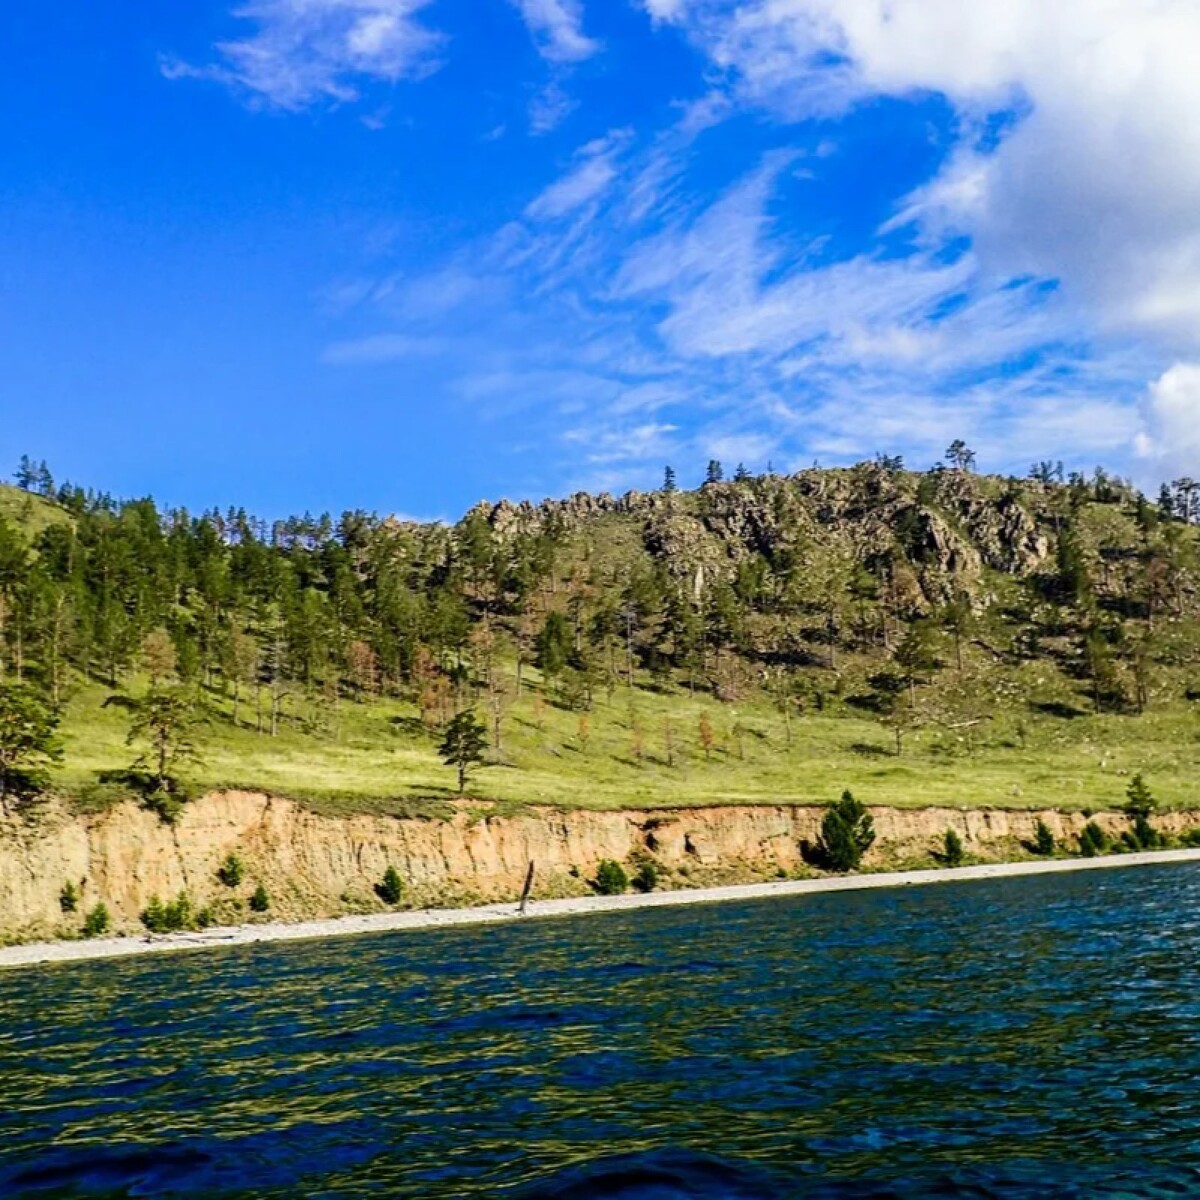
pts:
[960, 456]
[29, 743]
[463, 745]
[163, 721]
[1140, 802]
[847, 833]
[669, 484]
[1139, 799]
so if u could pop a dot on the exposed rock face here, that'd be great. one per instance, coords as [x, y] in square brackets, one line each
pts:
[315, 865]
[942, 529]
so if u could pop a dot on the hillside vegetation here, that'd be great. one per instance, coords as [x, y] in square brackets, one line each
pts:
[938, 637]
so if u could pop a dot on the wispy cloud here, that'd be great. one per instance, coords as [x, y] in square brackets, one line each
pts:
[584, 183]
[1094, 177]
[382, 347]
[557, 29]
[303, 51]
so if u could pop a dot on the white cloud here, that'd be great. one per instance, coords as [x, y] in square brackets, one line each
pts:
[557, 29]
[1170, 437]
[1095, 183]
[581, 185]
[549, 108]
[305, 51]
[1099, 182]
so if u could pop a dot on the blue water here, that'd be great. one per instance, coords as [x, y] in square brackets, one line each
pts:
[1026, 1037]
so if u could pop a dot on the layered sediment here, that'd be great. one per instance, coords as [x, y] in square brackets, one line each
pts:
[316, 866]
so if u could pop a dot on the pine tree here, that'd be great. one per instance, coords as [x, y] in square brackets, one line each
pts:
[715, 473]
[847, 833]
[463, 745]
[960, 456]
[29, 743]
[1139, 799]
[669, 484]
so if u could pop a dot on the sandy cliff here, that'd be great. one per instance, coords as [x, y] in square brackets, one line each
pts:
[314, 865]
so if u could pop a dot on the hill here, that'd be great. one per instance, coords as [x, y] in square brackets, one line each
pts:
[923, 638]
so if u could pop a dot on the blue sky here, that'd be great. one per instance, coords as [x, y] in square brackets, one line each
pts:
[407, 254]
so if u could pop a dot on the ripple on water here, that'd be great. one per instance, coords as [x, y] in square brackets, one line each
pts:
[1016, 1038]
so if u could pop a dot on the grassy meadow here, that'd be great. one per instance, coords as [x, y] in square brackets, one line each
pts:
[640, 748]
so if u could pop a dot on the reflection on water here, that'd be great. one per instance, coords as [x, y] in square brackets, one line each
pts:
[1029, 1037]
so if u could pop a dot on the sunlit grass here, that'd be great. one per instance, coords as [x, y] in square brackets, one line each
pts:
[376, 756]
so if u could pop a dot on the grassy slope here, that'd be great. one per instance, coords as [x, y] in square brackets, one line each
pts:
[375, 757]
[28, 512]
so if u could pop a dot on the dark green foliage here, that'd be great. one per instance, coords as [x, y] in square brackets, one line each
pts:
[172, 917]
[828, 575]
[1092, 840]
[1139, 800]
[1043, 839]
[95, 924]
[953, 853]
[260, 902]
[1191, 838]
[611, 879]
[1140, 803]
[847, 833]
[463, 744]
[391, 888]
[1141, 835]
[554, 645]
[669, 484]
[645, 878]
[68, 898]
[29, 743]
[231, 871]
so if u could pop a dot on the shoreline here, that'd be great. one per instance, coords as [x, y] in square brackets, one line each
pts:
[40, 953]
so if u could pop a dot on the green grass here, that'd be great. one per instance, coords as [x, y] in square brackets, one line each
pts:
[27, 511]
[376, 758]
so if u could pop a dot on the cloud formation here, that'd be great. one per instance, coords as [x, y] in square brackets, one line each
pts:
[304, 51]
[557, 29]
[1079, 157]
[1171, 431]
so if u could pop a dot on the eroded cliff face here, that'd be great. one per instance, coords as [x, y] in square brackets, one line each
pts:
[314, 865]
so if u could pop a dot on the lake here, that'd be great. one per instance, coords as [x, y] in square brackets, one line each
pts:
[1021, 1037]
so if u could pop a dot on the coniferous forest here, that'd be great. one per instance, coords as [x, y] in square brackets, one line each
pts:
[937, 635]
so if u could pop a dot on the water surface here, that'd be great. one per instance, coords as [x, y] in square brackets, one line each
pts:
[1023, 1037]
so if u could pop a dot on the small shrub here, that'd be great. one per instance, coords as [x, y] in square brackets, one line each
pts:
[1043, 839]
[95, 924]
[646, 878]
[391, 888]
[611, 879]
[68, 898]
[260, 902]
[1191, 839]
[952, 853]
[158, 917]
[231, 871]
[847, 833]
[1093, 840]
[1142, 835]
[205, 919]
